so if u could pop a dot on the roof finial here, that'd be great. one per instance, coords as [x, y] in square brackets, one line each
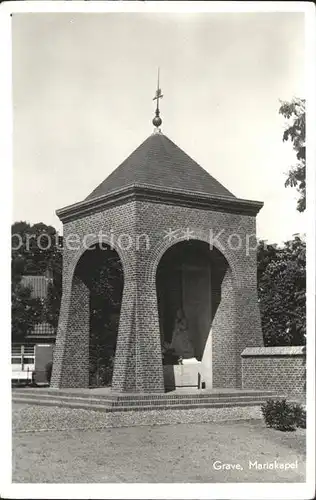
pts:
[157, 121]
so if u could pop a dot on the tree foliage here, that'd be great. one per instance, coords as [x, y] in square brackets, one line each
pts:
[35, 249]
[25, 311]
[281, 291]
[294, 112]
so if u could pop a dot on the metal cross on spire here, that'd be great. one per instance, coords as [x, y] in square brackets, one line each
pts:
[157, 121]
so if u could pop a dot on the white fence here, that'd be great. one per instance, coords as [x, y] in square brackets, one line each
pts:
[22, 362]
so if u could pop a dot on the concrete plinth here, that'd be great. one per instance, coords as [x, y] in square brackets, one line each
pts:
[184, 375]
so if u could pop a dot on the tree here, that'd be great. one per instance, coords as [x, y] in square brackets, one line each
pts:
[281, 291]
[25, 311]
[265, 255]
[35, 249]
[281, 271]
[294, 112]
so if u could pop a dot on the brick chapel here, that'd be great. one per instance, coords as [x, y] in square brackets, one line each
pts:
[170, 224]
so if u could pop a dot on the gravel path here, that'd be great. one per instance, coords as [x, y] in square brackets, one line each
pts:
[164, 453]
[28, 418]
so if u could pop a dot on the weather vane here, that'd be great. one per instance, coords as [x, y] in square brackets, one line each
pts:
[157, 121]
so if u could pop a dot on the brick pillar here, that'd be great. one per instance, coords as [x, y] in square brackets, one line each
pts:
[124, 374]
[138, 359]
[248, 324]
[224, 336]
[71, 353]
[236, 325]
[149, 369]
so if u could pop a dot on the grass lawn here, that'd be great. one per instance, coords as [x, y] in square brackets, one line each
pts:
[168, 453]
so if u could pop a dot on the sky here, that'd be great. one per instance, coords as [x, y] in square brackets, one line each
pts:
[82, 102]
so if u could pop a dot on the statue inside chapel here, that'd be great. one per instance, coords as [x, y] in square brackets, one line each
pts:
[181, 343]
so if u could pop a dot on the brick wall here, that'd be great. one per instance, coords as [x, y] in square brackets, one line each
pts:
[138, 360]
[275, 368]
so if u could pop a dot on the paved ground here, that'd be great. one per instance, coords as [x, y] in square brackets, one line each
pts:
[169, 453]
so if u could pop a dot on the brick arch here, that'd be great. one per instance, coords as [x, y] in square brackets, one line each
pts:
[71, 358]
[83, 248]
[163, 246]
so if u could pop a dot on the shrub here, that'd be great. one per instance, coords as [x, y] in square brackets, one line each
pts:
[300, 416]
[48, 371]
[280, 415]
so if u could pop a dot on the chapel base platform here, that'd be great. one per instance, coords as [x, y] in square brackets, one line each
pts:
[183, 405]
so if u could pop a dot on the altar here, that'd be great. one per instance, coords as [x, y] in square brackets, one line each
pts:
[187, 374]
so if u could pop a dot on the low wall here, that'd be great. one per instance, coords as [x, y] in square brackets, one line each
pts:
[275, 368]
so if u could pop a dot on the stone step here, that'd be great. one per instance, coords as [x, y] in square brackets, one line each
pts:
[131, 402]
[141, 397]
[193, 401]
[106, 408]
[63, 397]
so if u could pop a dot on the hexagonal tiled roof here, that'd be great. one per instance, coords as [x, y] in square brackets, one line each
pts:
[159, 163]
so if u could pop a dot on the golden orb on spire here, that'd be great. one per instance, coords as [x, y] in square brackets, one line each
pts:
[157, 121]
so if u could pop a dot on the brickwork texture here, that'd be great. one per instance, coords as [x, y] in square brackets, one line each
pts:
[138, 360]
[275, 368]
